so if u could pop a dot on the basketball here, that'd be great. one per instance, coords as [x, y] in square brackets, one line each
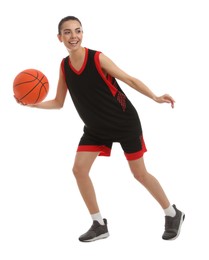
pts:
[30, 87]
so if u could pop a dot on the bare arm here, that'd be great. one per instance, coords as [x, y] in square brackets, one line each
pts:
[111, 68]
[59, 99]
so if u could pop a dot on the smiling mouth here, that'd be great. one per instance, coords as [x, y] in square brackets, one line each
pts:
[73, 43]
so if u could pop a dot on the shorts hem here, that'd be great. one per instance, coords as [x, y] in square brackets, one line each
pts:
[135, 156]
[102, 149]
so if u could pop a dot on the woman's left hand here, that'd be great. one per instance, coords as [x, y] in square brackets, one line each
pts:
[165, 99]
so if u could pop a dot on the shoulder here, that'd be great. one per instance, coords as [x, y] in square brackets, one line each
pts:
[93, 52]
[65, 59]
[63, 62]
[103, 59]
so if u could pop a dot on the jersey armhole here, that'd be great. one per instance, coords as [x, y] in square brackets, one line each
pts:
[62, 66]
[107, 79]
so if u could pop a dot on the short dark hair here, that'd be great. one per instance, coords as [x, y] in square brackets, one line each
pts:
[65, 19]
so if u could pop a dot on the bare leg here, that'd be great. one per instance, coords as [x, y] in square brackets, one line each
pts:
[81, 168]
[149, 182]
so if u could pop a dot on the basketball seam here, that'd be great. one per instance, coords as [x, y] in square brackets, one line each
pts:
[41, 89]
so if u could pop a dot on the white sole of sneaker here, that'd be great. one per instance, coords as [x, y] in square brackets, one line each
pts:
[97, 238]
[181, 221]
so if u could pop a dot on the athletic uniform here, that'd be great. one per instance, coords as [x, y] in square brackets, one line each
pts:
[107, 113]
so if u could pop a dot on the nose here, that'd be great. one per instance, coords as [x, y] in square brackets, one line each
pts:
[73, 35]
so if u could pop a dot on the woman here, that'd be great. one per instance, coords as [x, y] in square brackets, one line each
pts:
[109, 117]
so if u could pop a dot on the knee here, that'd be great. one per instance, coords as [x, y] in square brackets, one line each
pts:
[139, 170]
[140, 176]
[78, 172]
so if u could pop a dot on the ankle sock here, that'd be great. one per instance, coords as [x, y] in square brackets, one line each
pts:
[170, 211]
[98, 217]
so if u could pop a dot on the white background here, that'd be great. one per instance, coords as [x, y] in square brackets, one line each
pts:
[163, 43]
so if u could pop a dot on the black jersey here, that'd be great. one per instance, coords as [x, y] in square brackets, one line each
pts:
[102, 105]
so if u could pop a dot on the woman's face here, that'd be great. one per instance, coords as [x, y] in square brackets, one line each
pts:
[71, 34]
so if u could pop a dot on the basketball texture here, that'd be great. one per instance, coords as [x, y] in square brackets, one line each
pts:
[30, 86]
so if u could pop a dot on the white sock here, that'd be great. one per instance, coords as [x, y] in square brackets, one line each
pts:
[170, 211]
[98, 217]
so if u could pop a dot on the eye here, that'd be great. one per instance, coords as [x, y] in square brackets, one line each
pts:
[67, 32]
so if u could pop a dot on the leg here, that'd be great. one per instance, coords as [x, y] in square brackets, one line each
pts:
[81, 168]
[172, 224]
[149, 182]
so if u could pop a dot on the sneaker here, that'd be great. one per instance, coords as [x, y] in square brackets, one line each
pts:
[173, 225]
[96, 231]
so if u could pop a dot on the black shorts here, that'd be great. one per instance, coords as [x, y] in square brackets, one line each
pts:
[133, 146]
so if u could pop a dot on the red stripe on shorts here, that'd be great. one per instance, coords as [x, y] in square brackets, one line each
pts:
[104, 150]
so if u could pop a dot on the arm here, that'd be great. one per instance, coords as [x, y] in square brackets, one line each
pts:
[59, 99]
[112, 69]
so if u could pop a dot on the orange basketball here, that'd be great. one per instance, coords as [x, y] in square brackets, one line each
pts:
[30, 86]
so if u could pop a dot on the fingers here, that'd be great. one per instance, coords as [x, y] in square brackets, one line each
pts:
[171, 100]
[166, 99]
[172, 104]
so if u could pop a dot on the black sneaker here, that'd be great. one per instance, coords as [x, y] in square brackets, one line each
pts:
[173, 225]
[96, 231]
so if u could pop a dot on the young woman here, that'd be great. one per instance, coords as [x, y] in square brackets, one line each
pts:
[108, 116]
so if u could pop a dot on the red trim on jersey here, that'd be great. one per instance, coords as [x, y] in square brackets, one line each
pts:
[112, 88]
[104, 150]
[63, 67]
[78, 72]
[137, 155]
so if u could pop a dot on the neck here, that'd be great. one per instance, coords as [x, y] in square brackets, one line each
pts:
[76, 53]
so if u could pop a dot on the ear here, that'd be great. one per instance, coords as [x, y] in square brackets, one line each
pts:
[59, 37]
